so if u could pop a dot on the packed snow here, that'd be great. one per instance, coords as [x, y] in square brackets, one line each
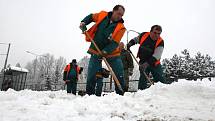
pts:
[180, 101]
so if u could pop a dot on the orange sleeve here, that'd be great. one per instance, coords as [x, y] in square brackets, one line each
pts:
[95, 17]
[66, 68]
[78, 69]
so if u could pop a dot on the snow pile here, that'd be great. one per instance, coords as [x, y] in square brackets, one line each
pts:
[181, 101]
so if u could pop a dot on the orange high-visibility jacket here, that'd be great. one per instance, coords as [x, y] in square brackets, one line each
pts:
[156, 45]
[116, 35]
[67, 69]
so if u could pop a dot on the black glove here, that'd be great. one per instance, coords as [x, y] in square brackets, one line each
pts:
[83, 27]
[131, 43]
[128, 47]
[105, 73]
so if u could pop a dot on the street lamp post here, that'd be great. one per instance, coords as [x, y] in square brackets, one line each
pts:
[36, 62]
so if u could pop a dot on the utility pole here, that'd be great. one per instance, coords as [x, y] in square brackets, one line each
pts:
[5, 64]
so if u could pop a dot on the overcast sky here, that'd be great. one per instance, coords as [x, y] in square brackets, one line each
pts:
[51, 26]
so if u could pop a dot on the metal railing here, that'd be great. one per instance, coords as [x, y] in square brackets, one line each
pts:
[81, 86]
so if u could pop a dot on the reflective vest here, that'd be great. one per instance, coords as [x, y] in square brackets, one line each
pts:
[67, 69]
[156, 45]
[117, 29]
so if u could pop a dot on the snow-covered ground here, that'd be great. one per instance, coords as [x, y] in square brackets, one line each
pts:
[183, 100]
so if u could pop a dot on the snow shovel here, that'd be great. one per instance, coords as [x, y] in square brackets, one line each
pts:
[106, 62]
[147, 77]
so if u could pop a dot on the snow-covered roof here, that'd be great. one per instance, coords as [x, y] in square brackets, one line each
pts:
[18, 69]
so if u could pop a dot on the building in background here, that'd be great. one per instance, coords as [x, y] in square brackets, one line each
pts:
[13, 77]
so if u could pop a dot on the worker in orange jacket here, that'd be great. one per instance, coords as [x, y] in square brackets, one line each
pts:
[71, 75]
[151, 47]
[107, 33]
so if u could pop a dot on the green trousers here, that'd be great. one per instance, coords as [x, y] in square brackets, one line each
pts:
[157, 74]
[72, 86]
[95, 64]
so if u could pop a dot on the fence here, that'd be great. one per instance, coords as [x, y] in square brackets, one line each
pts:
[81, 86]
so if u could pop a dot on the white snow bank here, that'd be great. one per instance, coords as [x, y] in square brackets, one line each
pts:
[184, 100]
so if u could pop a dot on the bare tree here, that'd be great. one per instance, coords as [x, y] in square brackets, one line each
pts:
[46, 70]
[60, 63]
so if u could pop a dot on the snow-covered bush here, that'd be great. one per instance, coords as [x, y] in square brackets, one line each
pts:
[186, 67]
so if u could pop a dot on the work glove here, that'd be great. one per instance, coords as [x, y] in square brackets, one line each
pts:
[104, 53]
[128, 47]
[105, 73]
[131, 43]
[130, 71]
[143, 66]
[83, 27]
